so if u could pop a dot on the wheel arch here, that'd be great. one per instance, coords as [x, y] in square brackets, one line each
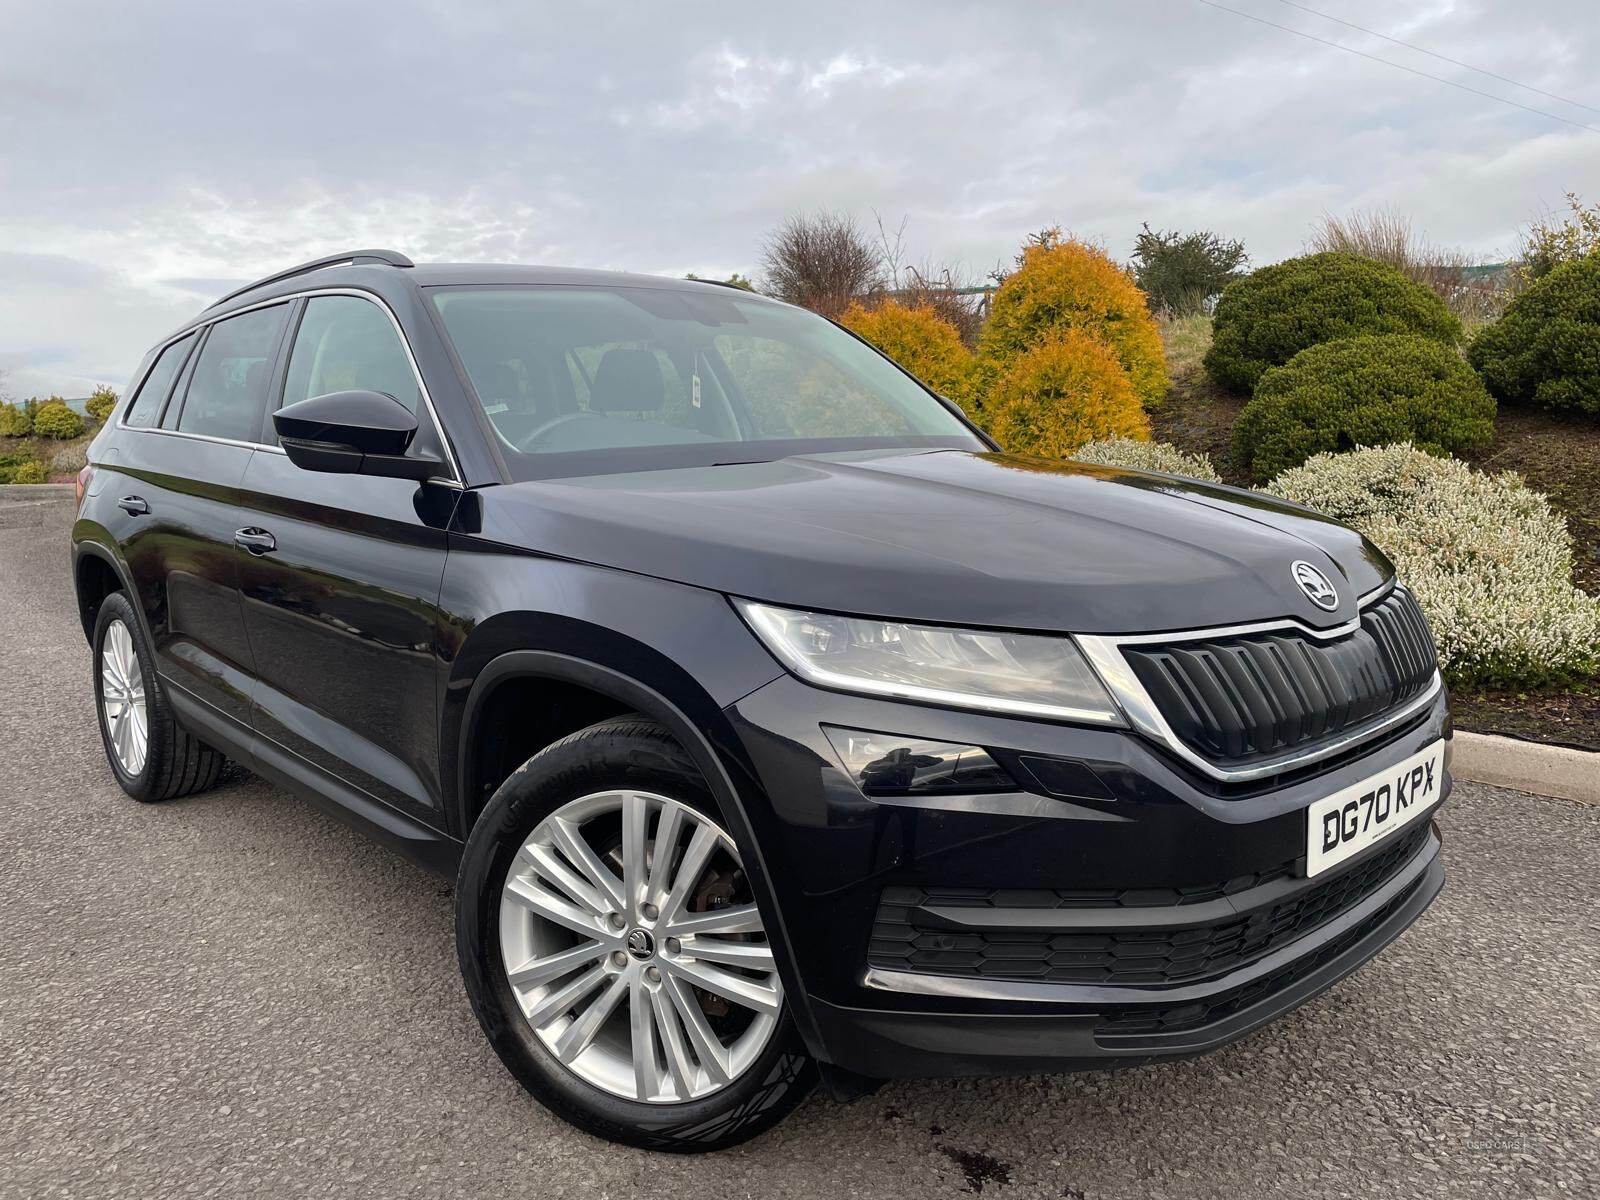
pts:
[685, 711]
[96, 574]
[666, 694]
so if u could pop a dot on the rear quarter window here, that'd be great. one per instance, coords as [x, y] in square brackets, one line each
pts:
[145, 407]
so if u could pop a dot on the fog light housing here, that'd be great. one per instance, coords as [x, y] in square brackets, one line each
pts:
[888, 764]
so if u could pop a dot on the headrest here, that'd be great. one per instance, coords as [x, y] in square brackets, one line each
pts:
[627, 381]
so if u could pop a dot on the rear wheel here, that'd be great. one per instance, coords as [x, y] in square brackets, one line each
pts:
[151, 756]
[614, 953]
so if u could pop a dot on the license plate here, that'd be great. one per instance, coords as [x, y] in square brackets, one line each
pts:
[1365, 813]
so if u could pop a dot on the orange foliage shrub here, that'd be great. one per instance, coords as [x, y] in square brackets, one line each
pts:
[1060, 393]
[921, 341]
[1068, 284]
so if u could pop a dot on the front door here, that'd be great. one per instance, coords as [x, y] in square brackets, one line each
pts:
[341, 597]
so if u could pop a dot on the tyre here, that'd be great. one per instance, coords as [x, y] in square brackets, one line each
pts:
[613, 952]
[152, 757]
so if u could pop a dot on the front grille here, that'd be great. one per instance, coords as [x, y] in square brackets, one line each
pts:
[1248, 697]
[907, 937]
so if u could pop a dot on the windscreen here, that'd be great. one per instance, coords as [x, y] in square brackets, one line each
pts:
[586, 378]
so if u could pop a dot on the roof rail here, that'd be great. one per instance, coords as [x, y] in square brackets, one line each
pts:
[392, 258]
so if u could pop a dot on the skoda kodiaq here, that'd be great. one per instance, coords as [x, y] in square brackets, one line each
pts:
[773, 723]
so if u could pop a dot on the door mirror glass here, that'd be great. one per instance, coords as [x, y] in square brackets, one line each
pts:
[353, 433]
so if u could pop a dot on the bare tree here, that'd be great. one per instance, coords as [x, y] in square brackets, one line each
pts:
[891, 250]
[822, 261]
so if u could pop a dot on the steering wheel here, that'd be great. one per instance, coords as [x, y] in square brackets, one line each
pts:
[555, 422]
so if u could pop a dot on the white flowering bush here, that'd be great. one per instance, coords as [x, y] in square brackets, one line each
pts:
[1146, 456]
[1489, 559]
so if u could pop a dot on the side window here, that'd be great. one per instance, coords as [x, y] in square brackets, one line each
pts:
[229, 380]
[146, 405]
[346, 342]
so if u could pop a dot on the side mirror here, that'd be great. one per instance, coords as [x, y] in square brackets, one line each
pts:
[353, 433]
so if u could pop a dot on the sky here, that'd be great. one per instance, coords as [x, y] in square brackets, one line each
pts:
[153, 154]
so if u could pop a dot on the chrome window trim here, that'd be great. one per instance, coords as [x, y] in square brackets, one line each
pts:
[1104, 653]
[456, 478]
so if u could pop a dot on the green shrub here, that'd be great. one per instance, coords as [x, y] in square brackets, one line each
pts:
[1489, 559]
[1060, 394]
[1066, 284]
[101, 403]
[14, 421]
[55, 420]
[1181, 272]
[1365, 391]
[21, 468]
[1146, 456]
[1269, 316]
[1546, 349]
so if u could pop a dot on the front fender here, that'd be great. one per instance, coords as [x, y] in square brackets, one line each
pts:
[676, 654]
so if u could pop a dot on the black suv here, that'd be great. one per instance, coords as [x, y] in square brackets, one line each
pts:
[772, 722]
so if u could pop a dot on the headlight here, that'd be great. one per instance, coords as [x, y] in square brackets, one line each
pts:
[966, 668]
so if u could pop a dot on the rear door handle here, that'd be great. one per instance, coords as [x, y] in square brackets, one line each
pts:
[134, 506]
[256, 541]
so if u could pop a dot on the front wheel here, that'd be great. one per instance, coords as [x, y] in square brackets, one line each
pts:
[614, 953]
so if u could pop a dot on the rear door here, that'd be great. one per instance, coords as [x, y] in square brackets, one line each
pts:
[342, 609]
[184, 463]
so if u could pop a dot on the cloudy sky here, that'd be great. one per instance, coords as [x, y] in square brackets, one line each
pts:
[152, 153]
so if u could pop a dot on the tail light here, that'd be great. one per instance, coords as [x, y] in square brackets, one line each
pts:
[81, 483]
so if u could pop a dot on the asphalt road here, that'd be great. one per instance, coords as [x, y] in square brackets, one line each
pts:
[234, 995]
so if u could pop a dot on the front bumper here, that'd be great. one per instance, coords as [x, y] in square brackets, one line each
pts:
[831, 856]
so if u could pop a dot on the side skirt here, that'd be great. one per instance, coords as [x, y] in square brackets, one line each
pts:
[422, 845]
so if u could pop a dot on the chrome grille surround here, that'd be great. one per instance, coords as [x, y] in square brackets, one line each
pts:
[1106, 653]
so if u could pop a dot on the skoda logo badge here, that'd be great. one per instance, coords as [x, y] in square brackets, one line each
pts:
[1315, 585]
[641, 944]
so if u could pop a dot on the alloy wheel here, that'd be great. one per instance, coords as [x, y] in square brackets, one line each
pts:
[634, 948]
[122, 698]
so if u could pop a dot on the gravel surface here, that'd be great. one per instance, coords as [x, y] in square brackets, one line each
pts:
[234, 995]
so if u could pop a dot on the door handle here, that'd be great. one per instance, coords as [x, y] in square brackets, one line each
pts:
[256, 541]
[134, 506]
